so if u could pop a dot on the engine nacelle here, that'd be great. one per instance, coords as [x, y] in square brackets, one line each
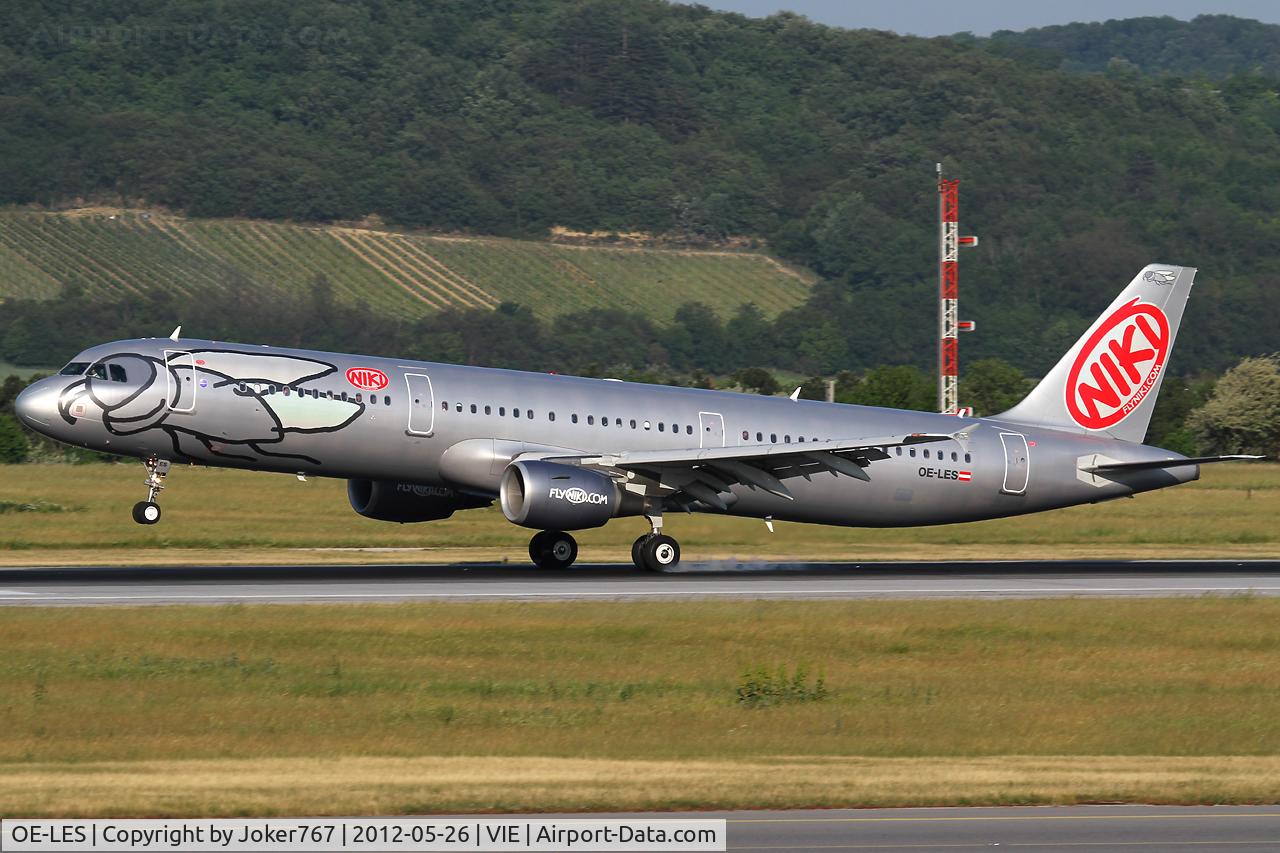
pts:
[551, 496]
[405, 502]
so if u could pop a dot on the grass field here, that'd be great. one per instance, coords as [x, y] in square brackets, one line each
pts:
[120, 252]
[67, 514]
[437, 707]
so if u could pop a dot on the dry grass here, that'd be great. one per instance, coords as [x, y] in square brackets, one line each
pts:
[219, 516]
[372, 708]
[377, 786]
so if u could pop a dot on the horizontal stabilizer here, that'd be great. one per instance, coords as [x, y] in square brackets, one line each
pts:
[1166, 463]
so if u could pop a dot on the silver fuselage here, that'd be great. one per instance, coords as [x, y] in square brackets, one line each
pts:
[297, 411]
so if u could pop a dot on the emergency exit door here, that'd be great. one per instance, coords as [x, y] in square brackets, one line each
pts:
[422, 404]
[1017, 463]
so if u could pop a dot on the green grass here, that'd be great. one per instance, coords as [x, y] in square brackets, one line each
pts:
[119, 252]
[931, 692]
[232, 516]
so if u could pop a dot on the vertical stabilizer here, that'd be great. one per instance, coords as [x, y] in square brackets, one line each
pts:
[1108, 381]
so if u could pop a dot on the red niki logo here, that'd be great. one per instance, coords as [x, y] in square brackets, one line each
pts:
[1118, 365]
[368, 378]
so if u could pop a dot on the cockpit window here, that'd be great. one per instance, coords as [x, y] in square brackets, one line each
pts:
[104, 370]
[75, 368]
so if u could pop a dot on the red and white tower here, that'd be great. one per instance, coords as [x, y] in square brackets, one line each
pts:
[949, 323]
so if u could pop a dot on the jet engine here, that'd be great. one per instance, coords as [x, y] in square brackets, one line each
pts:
[551, 496]
[405, 502]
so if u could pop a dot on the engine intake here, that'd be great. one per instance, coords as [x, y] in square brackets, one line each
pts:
[551, 496]
[406, 502]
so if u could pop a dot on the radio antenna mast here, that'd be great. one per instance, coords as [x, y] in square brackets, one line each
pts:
[949, 323]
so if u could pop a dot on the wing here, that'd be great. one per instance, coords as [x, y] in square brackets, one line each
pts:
[704, 475]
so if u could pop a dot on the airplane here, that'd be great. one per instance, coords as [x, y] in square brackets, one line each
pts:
[419, 441]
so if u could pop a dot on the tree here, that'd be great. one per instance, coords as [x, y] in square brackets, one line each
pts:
[992, 385]
[13, 443]
[757, 380]
[1243, 415]
[901, 387]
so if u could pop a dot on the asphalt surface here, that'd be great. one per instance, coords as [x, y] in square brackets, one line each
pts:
[297, 584]
[1044, 829]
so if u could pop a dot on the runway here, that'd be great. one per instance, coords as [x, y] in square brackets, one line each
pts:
[1043, 829]
[490, 582]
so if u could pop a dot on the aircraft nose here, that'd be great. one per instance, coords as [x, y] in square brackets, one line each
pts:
[35, 405]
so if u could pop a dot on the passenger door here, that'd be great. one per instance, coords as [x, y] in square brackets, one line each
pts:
[180, 381]
[422, 405]
[712, 429]
[1017, 463]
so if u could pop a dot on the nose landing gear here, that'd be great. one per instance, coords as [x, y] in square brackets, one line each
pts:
[148, 511]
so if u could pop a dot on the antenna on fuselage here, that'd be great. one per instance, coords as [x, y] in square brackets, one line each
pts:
[177, 331]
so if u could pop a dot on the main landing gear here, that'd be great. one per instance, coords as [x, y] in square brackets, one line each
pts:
[148, 511]
[655, 551]
[553, 549]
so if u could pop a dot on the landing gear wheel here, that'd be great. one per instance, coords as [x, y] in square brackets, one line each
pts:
[552, 549]
[660, 553]
[635, 551]
[146, 512]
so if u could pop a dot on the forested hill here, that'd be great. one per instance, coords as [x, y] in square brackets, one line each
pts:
[510, 117]
[1211, 46]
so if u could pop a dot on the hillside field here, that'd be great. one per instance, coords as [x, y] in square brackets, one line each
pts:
[117, 253]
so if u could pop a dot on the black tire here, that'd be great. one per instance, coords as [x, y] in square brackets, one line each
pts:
[555, 550]
[536, 546]
[660, 553]
[146, 512]
[635, 551]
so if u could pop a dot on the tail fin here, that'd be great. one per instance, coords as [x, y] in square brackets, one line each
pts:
[1108, 382]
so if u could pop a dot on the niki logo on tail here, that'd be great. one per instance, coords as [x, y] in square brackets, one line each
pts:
[1118, 365]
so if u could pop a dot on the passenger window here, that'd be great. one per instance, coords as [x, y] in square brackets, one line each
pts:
[458, 408]
[617, 422]
[688, 429]
[573, 418]
[473, 408]
[802, 439]
[117, 373]
[604, 422]
[646, 424]
[551, 416]
[373, 399]
[966, 457]
[528, 413]
[773, 438]
[662, 427]
[912, 451]
[760, 438]
[515, 413]
[953, 456]
[898, 450]
[359, 397]
[633, 423]
[502, 411]
[345, 400]
[926, 453]
[746, 436]
[786, 439]
[444, 406]
[488, 410]
[591, 420]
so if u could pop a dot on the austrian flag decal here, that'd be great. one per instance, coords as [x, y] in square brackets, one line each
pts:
[1118, 365]
[964, 476]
